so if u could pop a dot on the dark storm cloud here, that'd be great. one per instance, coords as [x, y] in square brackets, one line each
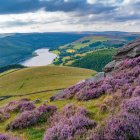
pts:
[81, 9]
[22, 6]
[18, 6]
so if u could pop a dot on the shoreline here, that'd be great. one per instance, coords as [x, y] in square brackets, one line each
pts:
[43, 58]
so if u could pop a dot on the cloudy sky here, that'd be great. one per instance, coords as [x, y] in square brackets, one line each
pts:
[69, 15]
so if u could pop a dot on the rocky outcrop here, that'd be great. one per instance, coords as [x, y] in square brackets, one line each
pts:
[110, 66]
[98, 77]
[131, 50]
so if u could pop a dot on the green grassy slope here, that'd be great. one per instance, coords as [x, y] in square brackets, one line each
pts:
[37, 79]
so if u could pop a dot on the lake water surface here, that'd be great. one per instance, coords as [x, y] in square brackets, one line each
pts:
[43, 58]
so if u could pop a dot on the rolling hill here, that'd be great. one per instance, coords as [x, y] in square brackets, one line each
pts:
[36, 79]
[92, 52]
[16, 47]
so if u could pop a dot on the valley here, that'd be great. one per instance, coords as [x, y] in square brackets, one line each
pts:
[16, 48]
[69, 69]
[71, 47]
[40, 102]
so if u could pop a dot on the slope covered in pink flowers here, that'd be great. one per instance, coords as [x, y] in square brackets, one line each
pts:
[125, 80]
[123, 84]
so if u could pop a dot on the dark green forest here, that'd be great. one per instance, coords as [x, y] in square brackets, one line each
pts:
[96, 60]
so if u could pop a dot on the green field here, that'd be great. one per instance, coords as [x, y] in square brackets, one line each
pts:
[28, 80]
[83, 42]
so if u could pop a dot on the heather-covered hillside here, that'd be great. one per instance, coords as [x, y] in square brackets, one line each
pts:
[120, 81]
[103, 107]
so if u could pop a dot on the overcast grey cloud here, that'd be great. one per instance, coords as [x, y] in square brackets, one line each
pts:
[60, 14]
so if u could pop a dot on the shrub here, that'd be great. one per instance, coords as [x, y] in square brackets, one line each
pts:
[71, 123]
[136, 91]
[103, 108]
[20, 105]
[122, 127]
[29, 118]
[70, 110]
[4, 115]
[26, 106]
[132, 106]
[8, 137]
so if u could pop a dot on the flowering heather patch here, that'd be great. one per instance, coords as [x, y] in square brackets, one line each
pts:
[70, 92]
[129, 63]
[123, 127]
[125, 79]
[3, 115]
[137, 91]
[70, 110]
[28, 118]
[8, 137]
[69, 124]
[26, 106]
[132, 106]
[20, 105]
[126, 124]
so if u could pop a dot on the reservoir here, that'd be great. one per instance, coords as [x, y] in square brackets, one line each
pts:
[42, 58]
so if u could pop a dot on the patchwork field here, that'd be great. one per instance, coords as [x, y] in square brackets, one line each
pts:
[91, 52]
